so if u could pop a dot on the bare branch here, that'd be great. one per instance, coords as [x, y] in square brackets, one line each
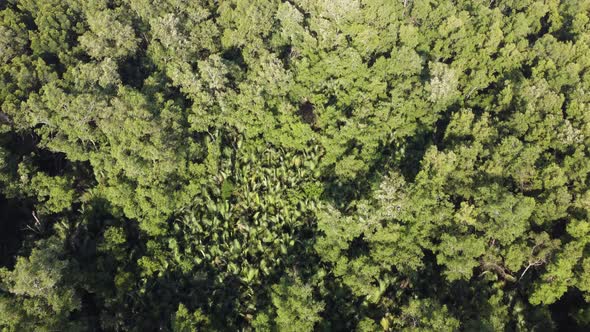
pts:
[37, 221]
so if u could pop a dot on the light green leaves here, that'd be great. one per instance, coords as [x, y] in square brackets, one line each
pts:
[443, 83]
[296, 308]
[41, 286]
[460, 255]
[109, 36]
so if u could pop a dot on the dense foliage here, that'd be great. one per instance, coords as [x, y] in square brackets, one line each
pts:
[299, 165]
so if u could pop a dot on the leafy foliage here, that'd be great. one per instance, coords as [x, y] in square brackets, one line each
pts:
[294, 165]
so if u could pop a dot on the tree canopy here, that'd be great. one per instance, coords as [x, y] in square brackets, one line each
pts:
[294, 165]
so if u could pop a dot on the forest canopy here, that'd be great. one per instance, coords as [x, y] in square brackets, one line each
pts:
[296, 165]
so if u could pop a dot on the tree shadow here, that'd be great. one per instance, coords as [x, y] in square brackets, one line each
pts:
[406, 161]
[13, 216]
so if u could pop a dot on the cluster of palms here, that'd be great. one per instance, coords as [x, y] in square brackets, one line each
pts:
[251, 218]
